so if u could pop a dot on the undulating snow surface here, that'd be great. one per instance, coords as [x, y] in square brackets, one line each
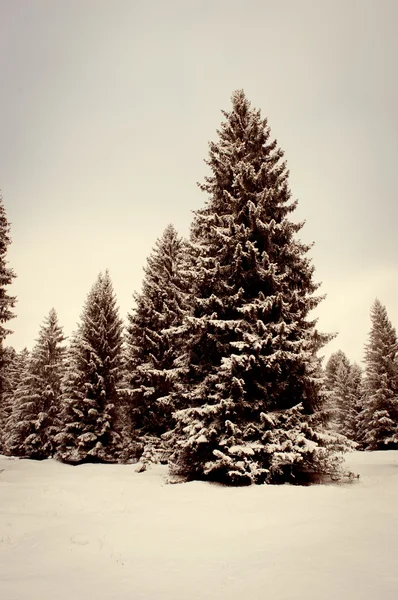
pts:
[106, 532]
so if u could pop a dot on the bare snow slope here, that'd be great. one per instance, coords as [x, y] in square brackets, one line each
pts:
[106, 532]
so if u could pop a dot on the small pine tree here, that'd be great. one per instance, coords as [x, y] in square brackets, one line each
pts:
[7, 303]
[347, 400]
[335, 361]
[152, 344]
[337, 365]
[9, 358]
[90, 389]
[253, 380]
[350, 426]
[34, 418]
[14, 367]
[379, 418]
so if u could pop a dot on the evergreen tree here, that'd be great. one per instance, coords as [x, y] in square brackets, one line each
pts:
[347, 400]
[8, 359]
[34, 418]
[7, 302]
[253, 379]
[350, 427]
[152, 343]
[335, 361]
[379, 419]
[13, 368]
[90, 389]
[337, 365]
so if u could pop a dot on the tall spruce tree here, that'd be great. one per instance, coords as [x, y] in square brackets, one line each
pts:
[253, 379]
[379, 419]
[34, 418]
[7, 302]
[152, 342]
[90, 390]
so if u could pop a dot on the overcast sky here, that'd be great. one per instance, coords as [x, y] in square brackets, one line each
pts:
[107, 108]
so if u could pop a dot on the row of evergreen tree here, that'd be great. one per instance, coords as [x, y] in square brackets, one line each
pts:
[218, 370]
[364, 405]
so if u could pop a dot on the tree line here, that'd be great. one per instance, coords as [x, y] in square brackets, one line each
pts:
[364, 404]
[218, 370]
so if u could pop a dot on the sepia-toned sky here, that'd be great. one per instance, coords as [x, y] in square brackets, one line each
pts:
[107, 108]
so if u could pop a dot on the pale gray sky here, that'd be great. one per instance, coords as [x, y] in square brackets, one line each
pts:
[107, 108]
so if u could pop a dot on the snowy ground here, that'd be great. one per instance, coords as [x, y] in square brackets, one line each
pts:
[106, 532]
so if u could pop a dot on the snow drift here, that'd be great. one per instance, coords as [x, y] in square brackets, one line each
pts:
[107, 532]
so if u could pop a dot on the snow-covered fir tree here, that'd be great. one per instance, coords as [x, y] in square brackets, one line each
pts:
[13, 366]
[34, 419]
[379, 418]
[347, 401]
[253, 379]
[350, 427]
[152, 341]
[8, 359]
[336, 359]
[338, 362]
[7, 302]
[90, 388]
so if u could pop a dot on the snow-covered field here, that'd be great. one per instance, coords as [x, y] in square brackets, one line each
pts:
[106, 532]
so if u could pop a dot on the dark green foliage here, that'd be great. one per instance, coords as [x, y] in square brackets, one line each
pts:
[152, 340]
[280, 447]
[90, 390]
[251, 346]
